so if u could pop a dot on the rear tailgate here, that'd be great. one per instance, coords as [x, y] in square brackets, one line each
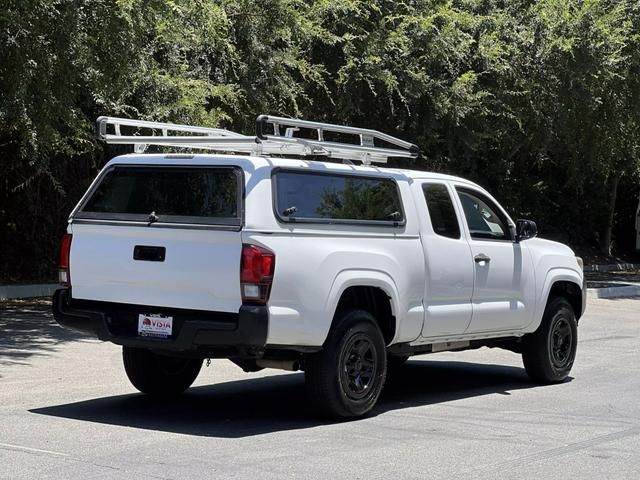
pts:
[160, 235]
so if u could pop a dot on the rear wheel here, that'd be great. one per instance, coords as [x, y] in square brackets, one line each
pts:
[159, 375]
[548, 353]
[345, 379]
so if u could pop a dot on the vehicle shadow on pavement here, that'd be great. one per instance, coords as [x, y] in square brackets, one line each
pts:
[278, 403]
[27, 328]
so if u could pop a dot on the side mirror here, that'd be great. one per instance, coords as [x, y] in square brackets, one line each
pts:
[525, 229]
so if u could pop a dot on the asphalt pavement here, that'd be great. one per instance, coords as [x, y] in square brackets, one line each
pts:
[67, 411]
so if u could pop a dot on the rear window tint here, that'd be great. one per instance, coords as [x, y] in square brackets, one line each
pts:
[180, 195]
[337, 198]
[441, 211]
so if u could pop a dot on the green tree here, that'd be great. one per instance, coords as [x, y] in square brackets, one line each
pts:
[538, 101]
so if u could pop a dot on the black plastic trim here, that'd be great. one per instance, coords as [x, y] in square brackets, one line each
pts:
[196, 330]
[149, 253]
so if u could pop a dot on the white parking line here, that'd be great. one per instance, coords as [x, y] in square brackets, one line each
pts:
[35, 450]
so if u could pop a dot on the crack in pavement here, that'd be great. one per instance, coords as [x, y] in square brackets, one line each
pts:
[556, 452]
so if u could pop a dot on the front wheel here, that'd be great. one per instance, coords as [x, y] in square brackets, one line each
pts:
[396, 361]
[345, 379]
[159, 375]
[548, 353]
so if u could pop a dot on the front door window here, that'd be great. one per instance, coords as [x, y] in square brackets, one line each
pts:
[485, 220]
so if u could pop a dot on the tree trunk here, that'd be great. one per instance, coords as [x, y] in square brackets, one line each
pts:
[605, 246]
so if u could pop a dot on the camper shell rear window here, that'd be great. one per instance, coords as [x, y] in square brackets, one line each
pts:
[167, 194]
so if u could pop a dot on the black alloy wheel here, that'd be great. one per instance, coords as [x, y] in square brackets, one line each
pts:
[560, 342]
[358, 366]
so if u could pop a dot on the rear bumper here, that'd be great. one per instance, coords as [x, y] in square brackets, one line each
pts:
[206, 334]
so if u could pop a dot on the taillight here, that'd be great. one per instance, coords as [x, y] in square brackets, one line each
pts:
[256, 273]
[64, 275]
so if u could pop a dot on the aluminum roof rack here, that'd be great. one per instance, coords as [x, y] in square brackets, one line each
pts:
[320, 139]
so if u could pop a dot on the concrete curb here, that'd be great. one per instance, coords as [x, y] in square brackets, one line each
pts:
[8, 292]
[614, 292]
[615, 267]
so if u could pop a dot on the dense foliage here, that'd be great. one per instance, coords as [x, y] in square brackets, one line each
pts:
[536, 100]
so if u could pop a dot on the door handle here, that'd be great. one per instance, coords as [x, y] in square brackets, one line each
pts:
[481, 257]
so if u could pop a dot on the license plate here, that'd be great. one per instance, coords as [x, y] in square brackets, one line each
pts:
[155, 325]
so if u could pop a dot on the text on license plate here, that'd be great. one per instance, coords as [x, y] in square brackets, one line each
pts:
[155, 325]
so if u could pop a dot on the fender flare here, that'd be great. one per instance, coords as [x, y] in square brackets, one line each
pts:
[362, 278]
[556, 274]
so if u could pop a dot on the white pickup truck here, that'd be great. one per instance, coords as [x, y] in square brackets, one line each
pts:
[331, 268]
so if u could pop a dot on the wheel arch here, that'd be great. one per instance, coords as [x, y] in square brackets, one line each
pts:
[372, 291]
[562, 282]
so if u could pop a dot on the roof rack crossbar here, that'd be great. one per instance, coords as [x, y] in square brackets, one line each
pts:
[278, 143]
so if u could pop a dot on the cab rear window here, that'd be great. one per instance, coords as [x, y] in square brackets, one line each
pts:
[336, 198]
[167, 194]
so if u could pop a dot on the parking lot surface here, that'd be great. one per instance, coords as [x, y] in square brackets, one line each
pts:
[68, 411]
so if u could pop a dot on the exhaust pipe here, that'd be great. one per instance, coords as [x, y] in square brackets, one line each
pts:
[291, 365]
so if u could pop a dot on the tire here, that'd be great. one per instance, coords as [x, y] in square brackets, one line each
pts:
[548, 353]
[159, 375]
[395, 366]
[396, 361]
[344, 380]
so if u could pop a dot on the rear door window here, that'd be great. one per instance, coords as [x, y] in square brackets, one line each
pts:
[337, 198]
[170, 194]
[441, 210]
